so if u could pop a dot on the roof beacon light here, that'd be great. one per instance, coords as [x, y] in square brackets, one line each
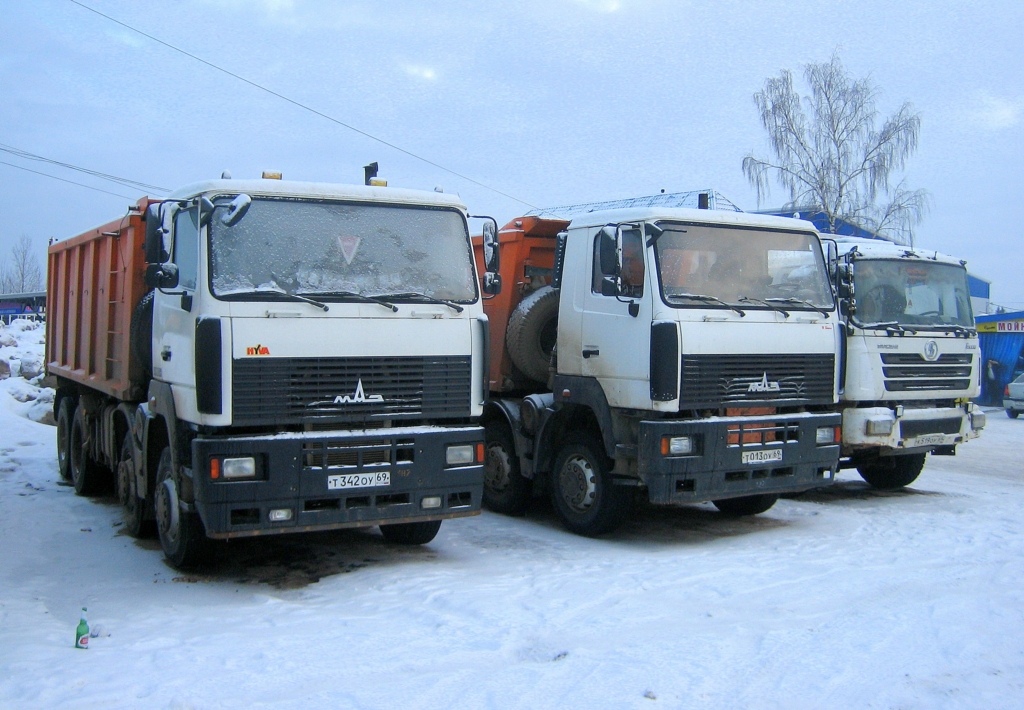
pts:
[271, 175]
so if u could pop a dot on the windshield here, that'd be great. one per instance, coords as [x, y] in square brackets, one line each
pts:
[704, 264]
[325, 248]
[911, 293]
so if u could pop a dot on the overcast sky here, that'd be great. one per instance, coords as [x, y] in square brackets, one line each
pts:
[532, 103]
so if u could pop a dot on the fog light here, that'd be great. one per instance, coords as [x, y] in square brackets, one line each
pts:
[279, 515]
[676, 445]
[880, 427]
[239, 468]
[430, 502]
[825, 435]
[459, 455]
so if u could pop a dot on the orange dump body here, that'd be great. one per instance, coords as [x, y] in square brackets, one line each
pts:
[94, 282]
[527, 249]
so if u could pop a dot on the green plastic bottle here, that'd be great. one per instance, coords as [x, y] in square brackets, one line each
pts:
[82, 633]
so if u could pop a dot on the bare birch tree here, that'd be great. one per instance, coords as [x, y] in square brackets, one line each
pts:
[830, 157]
[22, 273]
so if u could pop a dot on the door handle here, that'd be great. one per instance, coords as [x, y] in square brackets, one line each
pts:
[588, 353]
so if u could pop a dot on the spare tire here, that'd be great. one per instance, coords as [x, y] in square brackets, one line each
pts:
[141, 334]
[532, 333]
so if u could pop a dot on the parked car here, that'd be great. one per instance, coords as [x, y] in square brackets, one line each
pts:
[1013, 397]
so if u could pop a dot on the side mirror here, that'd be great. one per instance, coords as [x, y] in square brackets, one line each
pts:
[491, 243]
[844, 280]
[235, 210]
[154, 218]
[831, 256]
[162, 276]
[610, 250]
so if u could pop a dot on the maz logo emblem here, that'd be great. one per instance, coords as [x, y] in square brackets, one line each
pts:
[358, 397]
[764, 385]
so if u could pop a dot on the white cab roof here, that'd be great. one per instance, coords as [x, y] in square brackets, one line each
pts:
[319, 190]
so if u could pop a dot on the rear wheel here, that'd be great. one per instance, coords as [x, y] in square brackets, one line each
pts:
[411, 533]
[1011, 413]
[181, 532]
[505, 489]
[582, 488]
[134, 509]
[746, 505]
[89, 477]
[892, 472]
[65, 412]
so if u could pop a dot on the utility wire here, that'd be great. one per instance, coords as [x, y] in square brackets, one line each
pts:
[89, 187]
[302, 105]
[105, 176]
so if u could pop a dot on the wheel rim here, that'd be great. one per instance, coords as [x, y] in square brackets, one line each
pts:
[577, 484]
[167, 510]
[75, 456]
[498, 471]
[63, 443]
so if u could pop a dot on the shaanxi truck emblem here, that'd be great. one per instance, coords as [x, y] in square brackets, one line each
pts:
[763, 385]
[359, 397]
[931, 351]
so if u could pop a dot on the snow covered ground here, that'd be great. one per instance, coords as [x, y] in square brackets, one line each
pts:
[842, 598]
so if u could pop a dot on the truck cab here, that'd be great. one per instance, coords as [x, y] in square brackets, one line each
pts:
[910, 358]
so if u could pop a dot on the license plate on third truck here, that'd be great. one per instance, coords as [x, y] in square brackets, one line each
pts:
[358, 480]
[762, 456]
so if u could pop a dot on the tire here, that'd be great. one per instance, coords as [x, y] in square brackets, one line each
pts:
[88, 476]
[892, 472]
[532, 332]
[181, 533]
[1011, 413]
[135, 510]
[746, 505]
[140, 334]
[65, 413]
[505, 489]
[582, 488]
[411, 533]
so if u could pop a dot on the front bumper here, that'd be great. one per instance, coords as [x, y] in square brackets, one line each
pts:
[293, 470]
[905, 428]
[728, 460]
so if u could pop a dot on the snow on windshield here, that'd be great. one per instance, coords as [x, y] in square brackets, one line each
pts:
[735, 265]
[307, 247]
[913, 293]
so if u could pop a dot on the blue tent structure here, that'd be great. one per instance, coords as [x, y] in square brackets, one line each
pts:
[1002, 353]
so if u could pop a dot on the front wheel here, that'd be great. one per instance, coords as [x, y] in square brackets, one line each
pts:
[582, 488]
[181, 533]
[411, 533]
[892, 472]
[505, 489]
[1011, 413]
[746, 505]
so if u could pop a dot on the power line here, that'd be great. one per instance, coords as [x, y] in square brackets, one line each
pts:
[54, 177]
[146, 187]
[302, 105]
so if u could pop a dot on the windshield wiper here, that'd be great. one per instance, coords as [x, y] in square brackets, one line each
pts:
[359, 297]
[293, 296]
[780, 309]
[790, 299]
[890, 325]
[425, 298]
[708, 299]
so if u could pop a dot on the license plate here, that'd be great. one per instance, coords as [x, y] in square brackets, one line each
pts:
[358, 480]
[929, 439]
[763, 456]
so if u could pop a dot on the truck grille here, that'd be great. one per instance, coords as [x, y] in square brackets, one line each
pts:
[714, 380]
[910, 372]
[348, 390]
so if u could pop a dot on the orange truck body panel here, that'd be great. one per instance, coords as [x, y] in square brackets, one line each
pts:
[525, 244]
[94, 282]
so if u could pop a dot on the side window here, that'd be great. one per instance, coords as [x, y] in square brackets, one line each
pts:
[186, 247]
[632, 275]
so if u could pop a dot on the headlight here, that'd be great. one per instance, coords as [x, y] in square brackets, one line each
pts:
[880, 427]
[233, 468]
[978, 420]
[676, 445]
[826, 435]
[460, 455]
